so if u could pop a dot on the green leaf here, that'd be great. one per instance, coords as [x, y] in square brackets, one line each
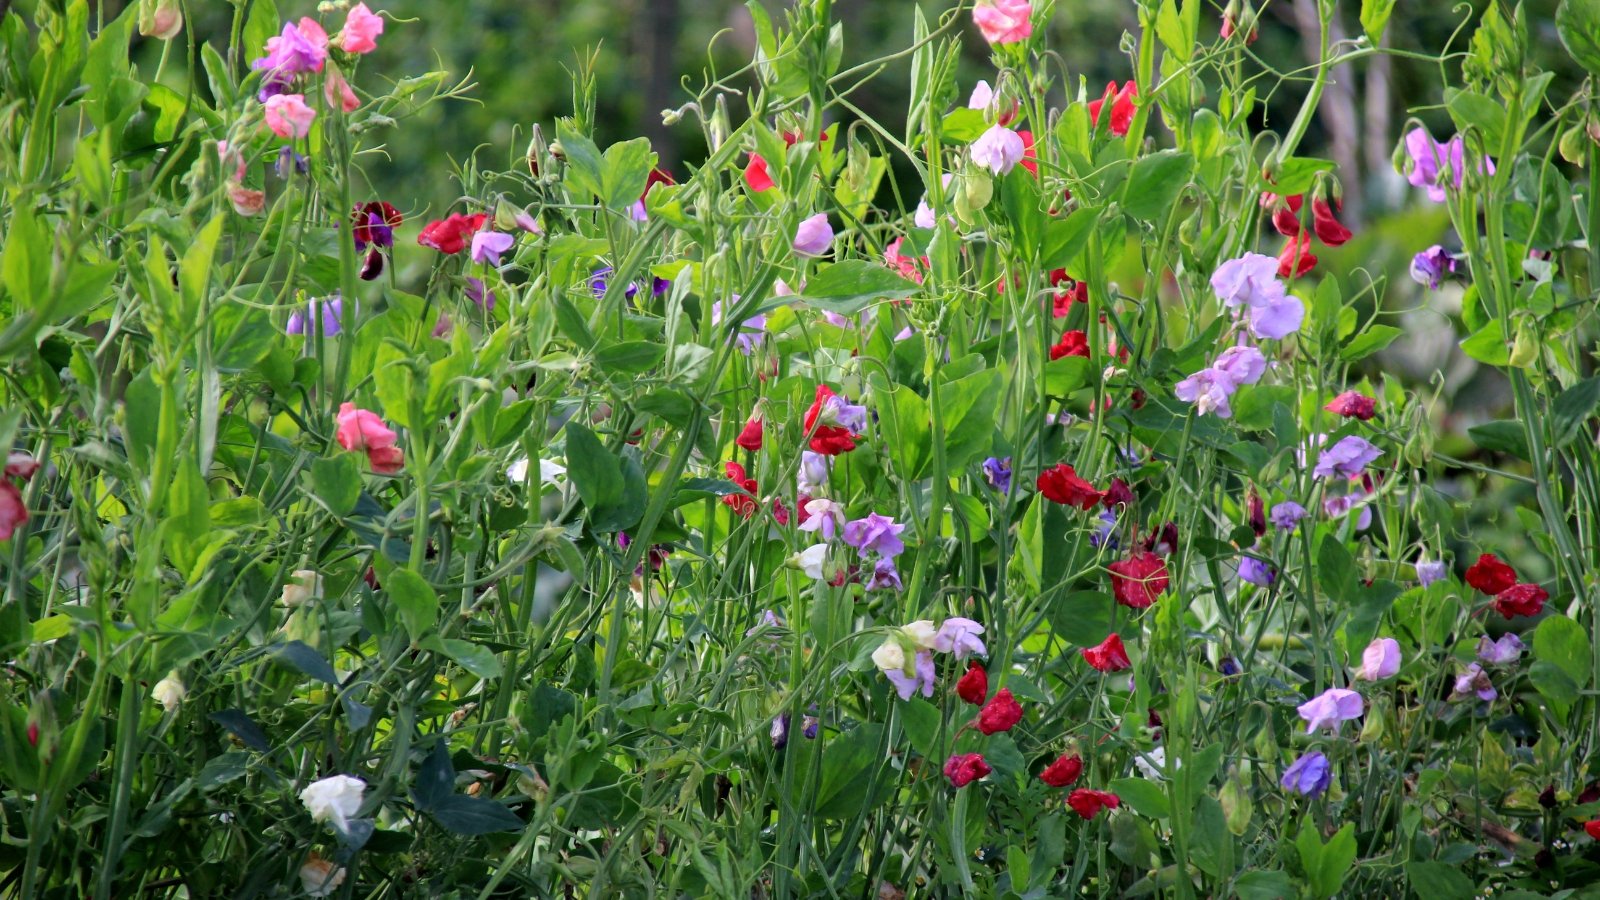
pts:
[1336, 571]
[585, 165]
[262, 24]
[1327, 865]
[194, 273]
[1082, 617]
[1439, 881]
[1572, 408]
[1297, 175]
[1065, 375]
[1578, 24]
[1563, 643]
[629, 357]
[903, 422]
[968, 407]
[336, 481]
[921, 719]
[625, 173]
[1144, 797]
[1503, 436]
[847, 287]
[1019, 197]
[474, 816]
[1368, 342]
[1155, 182]
[1473, 110]
[415, 600]
[25, 263]
[1264, 884]
[478, 660]
[964, 125]
[300, 656]
[594, 471]
[1488, 345]
[1375, 17]
[1064, 239]
[1553, 683]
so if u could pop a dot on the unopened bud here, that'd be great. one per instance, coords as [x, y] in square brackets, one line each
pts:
[161, 19]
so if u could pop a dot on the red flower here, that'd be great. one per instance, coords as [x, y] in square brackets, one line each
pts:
[743, 504]
[962, 770]
[1061, 484]
[1296, 258]
[750, 437]
[1109, 656]
[1121, 107]
[973, 686]
[1064, 771]
[1072, 292]
[1328, 229]
[1257, 513]
[374, 223]
[1228, 29]
[1490, 575]
[1137, 581]
[1000, 713]
[829, 440]
[1088, 803]
[1592, 828]
[1118, 494]
[780, 513]
[1073, 343]
[1285, 212]
[756, 175]
[657, 176]
[800, 508]
[1030, 157]
[1520, 600]
[1351, 404]
[450, 235]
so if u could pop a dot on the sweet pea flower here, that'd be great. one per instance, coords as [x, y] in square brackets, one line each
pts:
[1256, 572]
[360, 429]
[1287, 515]
[1380, 660]
[1506, 650]
[963, 769]
[1431, 160]
[328, 312]
[1062, 484]
[21, 465]
[1490, 574]
[1430, 571]
[1343, 504]
[921, 676]
[1330, 709]
[1064, 771]
[1004, 21]
[334, 799]
[813, 475]
[1105, 534]
[1353, 405]
[1250, 280]
[338, 93]
[160, 19]
[1108, 656]
[300, 48]
[1277, 317]
[1138, 580]
[361, 29]
[169, 692]
[999, 149]
[288, 116]
[319, 877]
[1122, 107]
[450, 234]
[1429, 267]
[982, 96]
[997, 472]
[488, 245]
[920, 633]
[875, 534]
[1474, 682]
[885, 577]
[1309, 775]
[1088, 803]
[1209, 390]
[810, 561]
[1347, 458]
[752, 331]
[814, 236]
[1520, 600]
[1242, 364]
[959, 636]
[973, 687]
[1001, 713]
[13, 512]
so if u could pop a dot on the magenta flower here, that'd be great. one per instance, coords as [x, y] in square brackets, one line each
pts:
[298, 50]
[1343, 504]
[814, 236]
[361, 29]
[1380, 660]
[998, 149]
[488, 245]
[1347, 458]
[1431, 161]
[1004, 21]
[959, 636]
[875, 534]
[1330, 709]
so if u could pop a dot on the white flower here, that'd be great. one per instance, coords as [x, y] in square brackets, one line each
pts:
[333, 799]
[1152, 763]
[921, 633]
[810, 560]
[549, 472]
[982, 96]
[890, 656]
[169, 692]
[319, 877]
[303, 585]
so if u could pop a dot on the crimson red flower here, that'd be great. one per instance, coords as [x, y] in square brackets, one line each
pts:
[1118, 494]
[1061, 484]
[1121, 107]
[1285, 212]
[1069, 292]
[780, 513]
[1328, 228]
[1137, 581]
[1064, 771]
[800, 508]
[1520, 600]
[756, 174]
[1592, 828]
[1000, 713]
[1256, 513]
[963, 769]
[657, 176]
[743, 504]
[450, 235]
[1491, 575]
[1088, 803]
[750, 437]
[1073, 343]
[828, 439]
[973, 686]
[1296, 258]
[1353, 405]
[1030, 156]
[1109, 655]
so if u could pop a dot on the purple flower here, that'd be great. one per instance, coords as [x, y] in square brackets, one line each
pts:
[1429, 267]
[1474, 682]
[1250, 280]
[809, 723]
[1104, 535]
[769, 619]
[1278, 317]
[1333, 507]
[1330, 709]
[479, 295]
[998, 149]
[959, 636]
[291, 163]
[1229, 666]
[751, 331]
[1208, 390]
[600, 281]
[1429, 160]
[998, 473]
[1380, 660]
[906, 685]
[1429, 572]
[1347, 458]
[1242, 364]
[1309, 775]
[824, 517]
[1255, 571]
[1498, 653]
[813, 477]
[289, 54]
[836, 410]
[330, 311]
[1286, 516]
[488, 245]
[885, 577]
[814, 236]
[875, 534]
[780, 731]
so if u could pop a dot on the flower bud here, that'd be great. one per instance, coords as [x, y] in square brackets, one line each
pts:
[1525, 349]
[161, 19]
[1236, 806]
[169, 691]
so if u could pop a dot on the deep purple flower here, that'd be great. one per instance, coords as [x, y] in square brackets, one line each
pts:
[875, 534]
[885, 577]
[1348, 458]
[330, 311]
[1255, 571]
[1508, 649]
[1229, 666]
[484, 299]
[1287, 515]
[1474, 682]
[810, 722]
[922, 676]
[600, 280]
[1429, 267]
[1309, 775]
[998, 473]
[290, 163]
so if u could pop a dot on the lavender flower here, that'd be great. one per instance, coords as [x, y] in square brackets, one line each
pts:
[1474, 682]
[1430, 571]
[1255, 571]
[1506, 650]
[959, 636]
[1309, 775]
[998, 473]
[1348, 458]
[875, 534]
[329, 311]
[922, 676]
[1429, 267]
[1287, 515]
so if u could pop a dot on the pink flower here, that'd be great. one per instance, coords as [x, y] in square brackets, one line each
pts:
[488, 245]
[1380, 660]
[246, 202]
[814, 236]
[288, 116]
[1004, 21]
[998, 149]
[12, 511]
[360, 429]
[1331, 708]
[361, 29]
[337, 92]
[21, 465]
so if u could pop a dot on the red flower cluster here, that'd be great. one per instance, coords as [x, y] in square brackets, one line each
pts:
[963, 769]
[1064, 771]
[450, 235]
[1109, 656]
[1073, 343]
[1088, 803]
[1001, 713]
[1492, 575]
[1296, 258]
[973, 687]
[1137, 581]
[829, 440]
[1069, 292]
[1122, 108]
[1353, 405]
[743, 504]
[1061, 484]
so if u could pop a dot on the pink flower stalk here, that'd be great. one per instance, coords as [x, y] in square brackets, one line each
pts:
[288, 116]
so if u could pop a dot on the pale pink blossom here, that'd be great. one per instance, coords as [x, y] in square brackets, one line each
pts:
[288, 116]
